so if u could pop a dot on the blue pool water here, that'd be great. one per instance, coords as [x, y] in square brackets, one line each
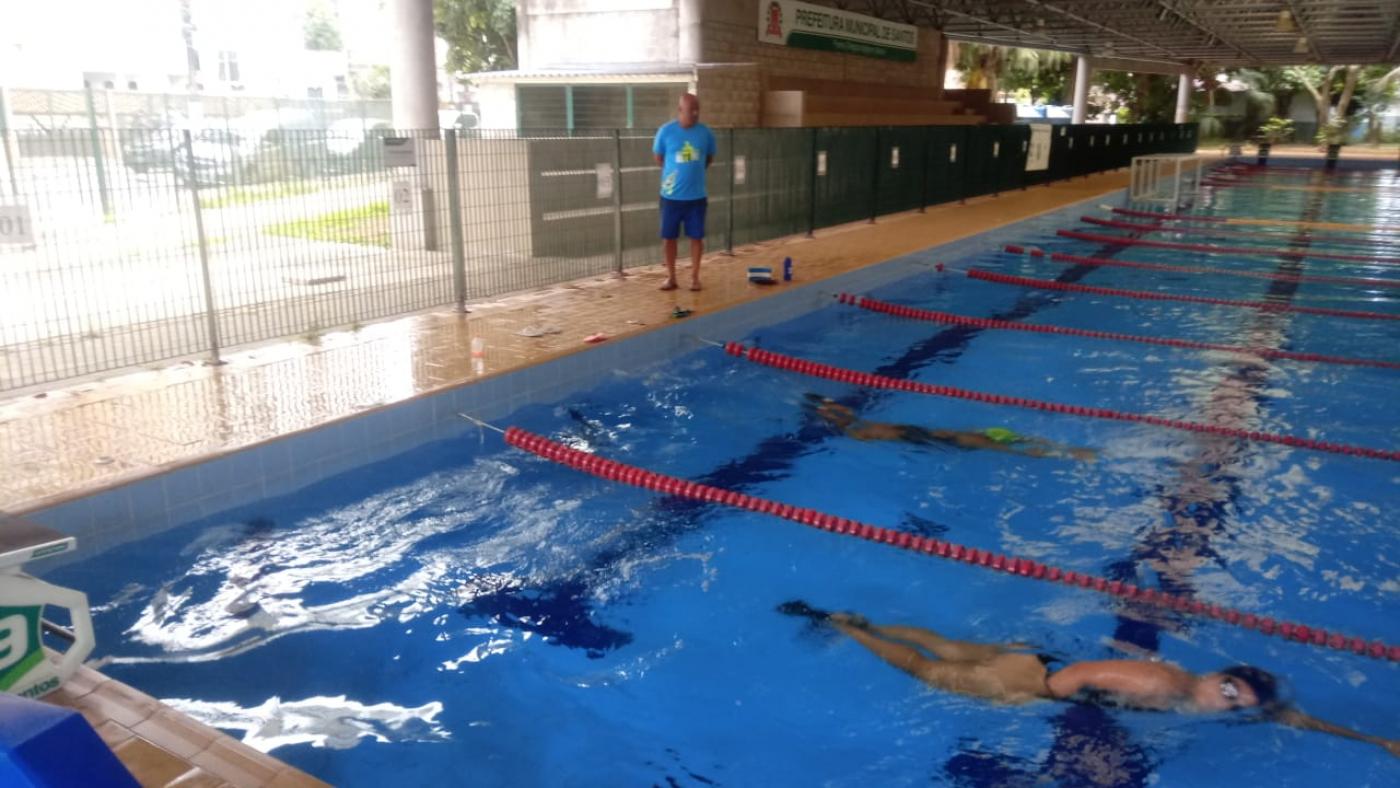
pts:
[469, 614]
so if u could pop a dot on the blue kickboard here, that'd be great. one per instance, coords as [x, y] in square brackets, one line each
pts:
[44, 745]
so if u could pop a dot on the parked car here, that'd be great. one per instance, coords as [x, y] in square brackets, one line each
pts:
[354, 144]
[150, 142]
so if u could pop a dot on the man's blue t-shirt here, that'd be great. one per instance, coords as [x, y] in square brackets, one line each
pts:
[683, 153]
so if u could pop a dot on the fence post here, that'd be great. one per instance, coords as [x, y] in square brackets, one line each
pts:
[729, 228]
[97, 153]
[454, 222]
[924, 162]
[209, 313]
[617, 202]
[11, 161]
[875, 180]
[812, 192]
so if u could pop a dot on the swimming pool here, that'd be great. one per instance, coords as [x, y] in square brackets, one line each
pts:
[467, 613]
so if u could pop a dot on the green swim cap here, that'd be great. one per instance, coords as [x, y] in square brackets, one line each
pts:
[1002, 435]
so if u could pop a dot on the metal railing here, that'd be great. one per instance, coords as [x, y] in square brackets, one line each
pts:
[133, 247]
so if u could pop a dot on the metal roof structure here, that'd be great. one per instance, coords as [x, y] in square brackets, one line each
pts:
[1182, 32]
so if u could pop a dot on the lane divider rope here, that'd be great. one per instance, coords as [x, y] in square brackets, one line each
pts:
[1048, 284]
[614, 471]
[1255, 222]
[949, 318]
[1216, 232]
[870, 380]
[1115, 240]
[1061, 257]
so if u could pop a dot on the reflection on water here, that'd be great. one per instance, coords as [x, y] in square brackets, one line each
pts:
[337, 723]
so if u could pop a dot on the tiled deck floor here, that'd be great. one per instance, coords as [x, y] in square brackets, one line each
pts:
[91, 436]
[162, 747]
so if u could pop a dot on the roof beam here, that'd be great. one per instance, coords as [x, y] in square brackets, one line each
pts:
[1305, 29]
[1096, 25]
[1189, 18]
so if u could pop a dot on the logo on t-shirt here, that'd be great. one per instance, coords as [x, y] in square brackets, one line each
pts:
[687, 154]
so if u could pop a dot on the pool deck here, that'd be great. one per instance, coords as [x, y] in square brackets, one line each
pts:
[86, 437]
[162, 747]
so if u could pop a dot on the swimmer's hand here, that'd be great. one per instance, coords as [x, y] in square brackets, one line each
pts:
[1393, 747]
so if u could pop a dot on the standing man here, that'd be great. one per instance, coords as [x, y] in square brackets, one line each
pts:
[684, 149]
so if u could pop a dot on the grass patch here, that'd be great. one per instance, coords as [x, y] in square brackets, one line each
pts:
[258, 192]
[367, 225]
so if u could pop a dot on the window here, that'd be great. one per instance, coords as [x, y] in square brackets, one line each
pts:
[228, 66]
[131, 84]
[542, 107]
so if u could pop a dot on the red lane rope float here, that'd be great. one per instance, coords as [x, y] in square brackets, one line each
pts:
[615, 471]
[1119, 240]
[1191, 217]
[1048, 284]
[1060, 257]
[990, 323]
[870, 380]
[1243, 234]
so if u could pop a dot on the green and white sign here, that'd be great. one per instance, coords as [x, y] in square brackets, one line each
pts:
[20, 647]
[794, 24]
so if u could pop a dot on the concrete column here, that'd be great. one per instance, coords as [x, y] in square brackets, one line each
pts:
[1082, 72]
[524, 57]
[413, 67]
[1183, 97]
[940, 66]
[691, 47]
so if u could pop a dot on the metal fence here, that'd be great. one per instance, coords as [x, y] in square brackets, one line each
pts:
[131, 247]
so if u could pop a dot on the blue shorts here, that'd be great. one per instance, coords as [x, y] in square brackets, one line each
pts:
[691, 213]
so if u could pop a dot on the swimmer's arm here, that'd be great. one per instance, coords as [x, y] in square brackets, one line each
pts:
[1297, 719]
[1152, 684]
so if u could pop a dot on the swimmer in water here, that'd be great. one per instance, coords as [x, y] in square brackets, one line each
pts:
[993, 438]
[1010, 674]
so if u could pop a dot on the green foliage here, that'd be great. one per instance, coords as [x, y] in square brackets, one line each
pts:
[319, 31]
[367, 225]
[1039, 74]
[1138, 98]
[371, 83]
[480, 34]
[1276, 130]
[1335, 132]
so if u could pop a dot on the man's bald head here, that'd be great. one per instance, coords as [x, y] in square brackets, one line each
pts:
[688, 110]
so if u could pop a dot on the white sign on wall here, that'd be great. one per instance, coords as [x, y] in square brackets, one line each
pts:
[1038, 155]
[15, 225]
[401, 197]
[605, 180]
[398, 152]
[821, 163]
[741, 170]
[894, 157]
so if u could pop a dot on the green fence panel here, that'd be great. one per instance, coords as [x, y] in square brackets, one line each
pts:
[772, 183]
[901, 168]
[845, 185]
[944, 161]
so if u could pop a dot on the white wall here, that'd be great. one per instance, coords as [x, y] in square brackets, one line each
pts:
[561, 32]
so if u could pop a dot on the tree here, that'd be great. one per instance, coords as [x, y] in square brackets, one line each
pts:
[1381, 87]
[319, 30]
[1041, 73]
[1321, 82]
[480, 34]
[371, 82]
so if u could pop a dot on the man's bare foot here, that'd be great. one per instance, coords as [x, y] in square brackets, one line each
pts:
[670, 285]
[694, 286]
